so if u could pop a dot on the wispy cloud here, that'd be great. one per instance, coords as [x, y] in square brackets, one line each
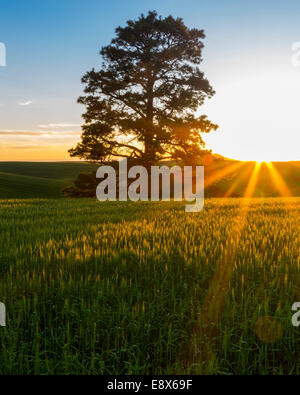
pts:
[8, 132]
[19, 133]
[25, 103]
[17, 139]
[60, 125]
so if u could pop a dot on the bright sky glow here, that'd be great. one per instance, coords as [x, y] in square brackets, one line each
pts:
[247, 58]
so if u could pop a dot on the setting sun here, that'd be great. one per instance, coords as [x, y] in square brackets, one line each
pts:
[256, 122]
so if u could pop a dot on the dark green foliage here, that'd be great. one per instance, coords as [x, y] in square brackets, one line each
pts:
[84, 186]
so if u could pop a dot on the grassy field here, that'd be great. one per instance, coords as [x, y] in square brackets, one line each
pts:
[138, 288]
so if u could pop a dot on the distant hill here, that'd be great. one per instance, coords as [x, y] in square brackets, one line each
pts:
[18, 186]
[223, 177]
[38, 179]
[55, 170]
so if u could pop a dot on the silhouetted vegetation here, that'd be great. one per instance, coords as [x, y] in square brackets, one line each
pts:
[142, 104]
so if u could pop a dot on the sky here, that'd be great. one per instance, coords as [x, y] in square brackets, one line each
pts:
[251, 58]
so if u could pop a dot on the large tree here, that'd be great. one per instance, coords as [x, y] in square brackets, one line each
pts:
[142, 104]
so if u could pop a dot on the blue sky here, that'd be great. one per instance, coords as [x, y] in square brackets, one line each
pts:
[51, 43]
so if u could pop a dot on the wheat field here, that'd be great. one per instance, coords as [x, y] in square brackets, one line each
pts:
[145, 288]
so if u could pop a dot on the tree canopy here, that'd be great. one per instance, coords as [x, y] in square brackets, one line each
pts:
[142, 104]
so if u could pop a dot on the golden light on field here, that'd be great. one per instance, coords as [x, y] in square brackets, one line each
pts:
[268, 329]
[203, 341]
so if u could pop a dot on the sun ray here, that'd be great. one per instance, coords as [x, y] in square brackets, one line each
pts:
[253, 181]
[244, 173]
[200, 353]
[279, 182]
[218, 175]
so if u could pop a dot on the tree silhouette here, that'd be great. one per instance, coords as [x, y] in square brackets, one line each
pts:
[142, 104]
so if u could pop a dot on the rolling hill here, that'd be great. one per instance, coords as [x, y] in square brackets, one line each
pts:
[38, 179]
[223, 177]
